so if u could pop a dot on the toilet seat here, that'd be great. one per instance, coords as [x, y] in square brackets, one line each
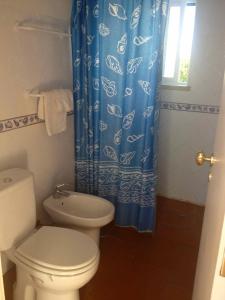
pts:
[58, 251]
[29, 265]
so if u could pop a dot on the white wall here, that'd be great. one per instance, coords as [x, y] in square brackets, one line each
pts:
[34, 60]
[182, 134]
[31, 59]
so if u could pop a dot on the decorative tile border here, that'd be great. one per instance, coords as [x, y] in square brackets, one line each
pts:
[188, 107]
[19, 122]
[28, 120]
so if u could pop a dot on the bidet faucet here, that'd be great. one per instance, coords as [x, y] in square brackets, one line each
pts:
[59, 190]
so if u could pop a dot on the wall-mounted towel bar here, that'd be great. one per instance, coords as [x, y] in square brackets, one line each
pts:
[29, 94]
[32, 94]
[32, 27]
[35, 95]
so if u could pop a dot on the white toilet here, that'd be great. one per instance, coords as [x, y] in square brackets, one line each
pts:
[52, 263]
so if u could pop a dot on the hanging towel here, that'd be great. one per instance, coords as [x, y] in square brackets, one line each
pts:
[53, 107]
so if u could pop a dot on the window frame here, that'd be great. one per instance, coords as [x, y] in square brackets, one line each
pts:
[173, 81]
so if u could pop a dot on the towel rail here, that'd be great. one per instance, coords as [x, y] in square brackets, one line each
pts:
[21, 26]
[29, 94]
[35, 95]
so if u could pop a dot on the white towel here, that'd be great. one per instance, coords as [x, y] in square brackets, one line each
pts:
[53, 107]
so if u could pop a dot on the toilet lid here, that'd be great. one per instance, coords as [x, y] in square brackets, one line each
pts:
[59, 248]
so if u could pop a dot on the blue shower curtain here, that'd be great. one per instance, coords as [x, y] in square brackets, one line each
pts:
[117, 54]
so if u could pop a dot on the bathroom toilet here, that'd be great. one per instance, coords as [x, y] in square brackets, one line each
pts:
[52, 263]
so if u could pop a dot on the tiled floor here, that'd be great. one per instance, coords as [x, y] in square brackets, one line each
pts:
[138, 266]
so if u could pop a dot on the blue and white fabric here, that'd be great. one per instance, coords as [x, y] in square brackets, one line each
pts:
[117, 54]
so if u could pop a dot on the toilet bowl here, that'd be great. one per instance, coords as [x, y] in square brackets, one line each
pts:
[52, 263]
[83, 212]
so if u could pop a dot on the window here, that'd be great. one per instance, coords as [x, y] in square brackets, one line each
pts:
[178, 42]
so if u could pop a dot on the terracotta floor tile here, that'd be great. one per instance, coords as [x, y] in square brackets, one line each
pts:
[136, 266]
[175, 292]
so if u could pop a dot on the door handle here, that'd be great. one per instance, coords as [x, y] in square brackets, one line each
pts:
[201, 158]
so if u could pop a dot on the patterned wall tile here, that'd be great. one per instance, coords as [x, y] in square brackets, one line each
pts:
[189, 107]
[28, 120]
[19, 122]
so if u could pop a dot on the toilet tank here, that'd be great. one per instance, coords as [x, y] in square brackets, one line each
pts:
[17, 206]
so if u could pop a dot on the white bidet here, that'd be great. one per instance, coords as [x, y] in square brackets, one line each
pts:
[83, 212]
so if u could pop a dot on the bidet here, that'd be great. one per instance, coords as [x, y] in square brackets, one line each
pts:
[83, 212]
